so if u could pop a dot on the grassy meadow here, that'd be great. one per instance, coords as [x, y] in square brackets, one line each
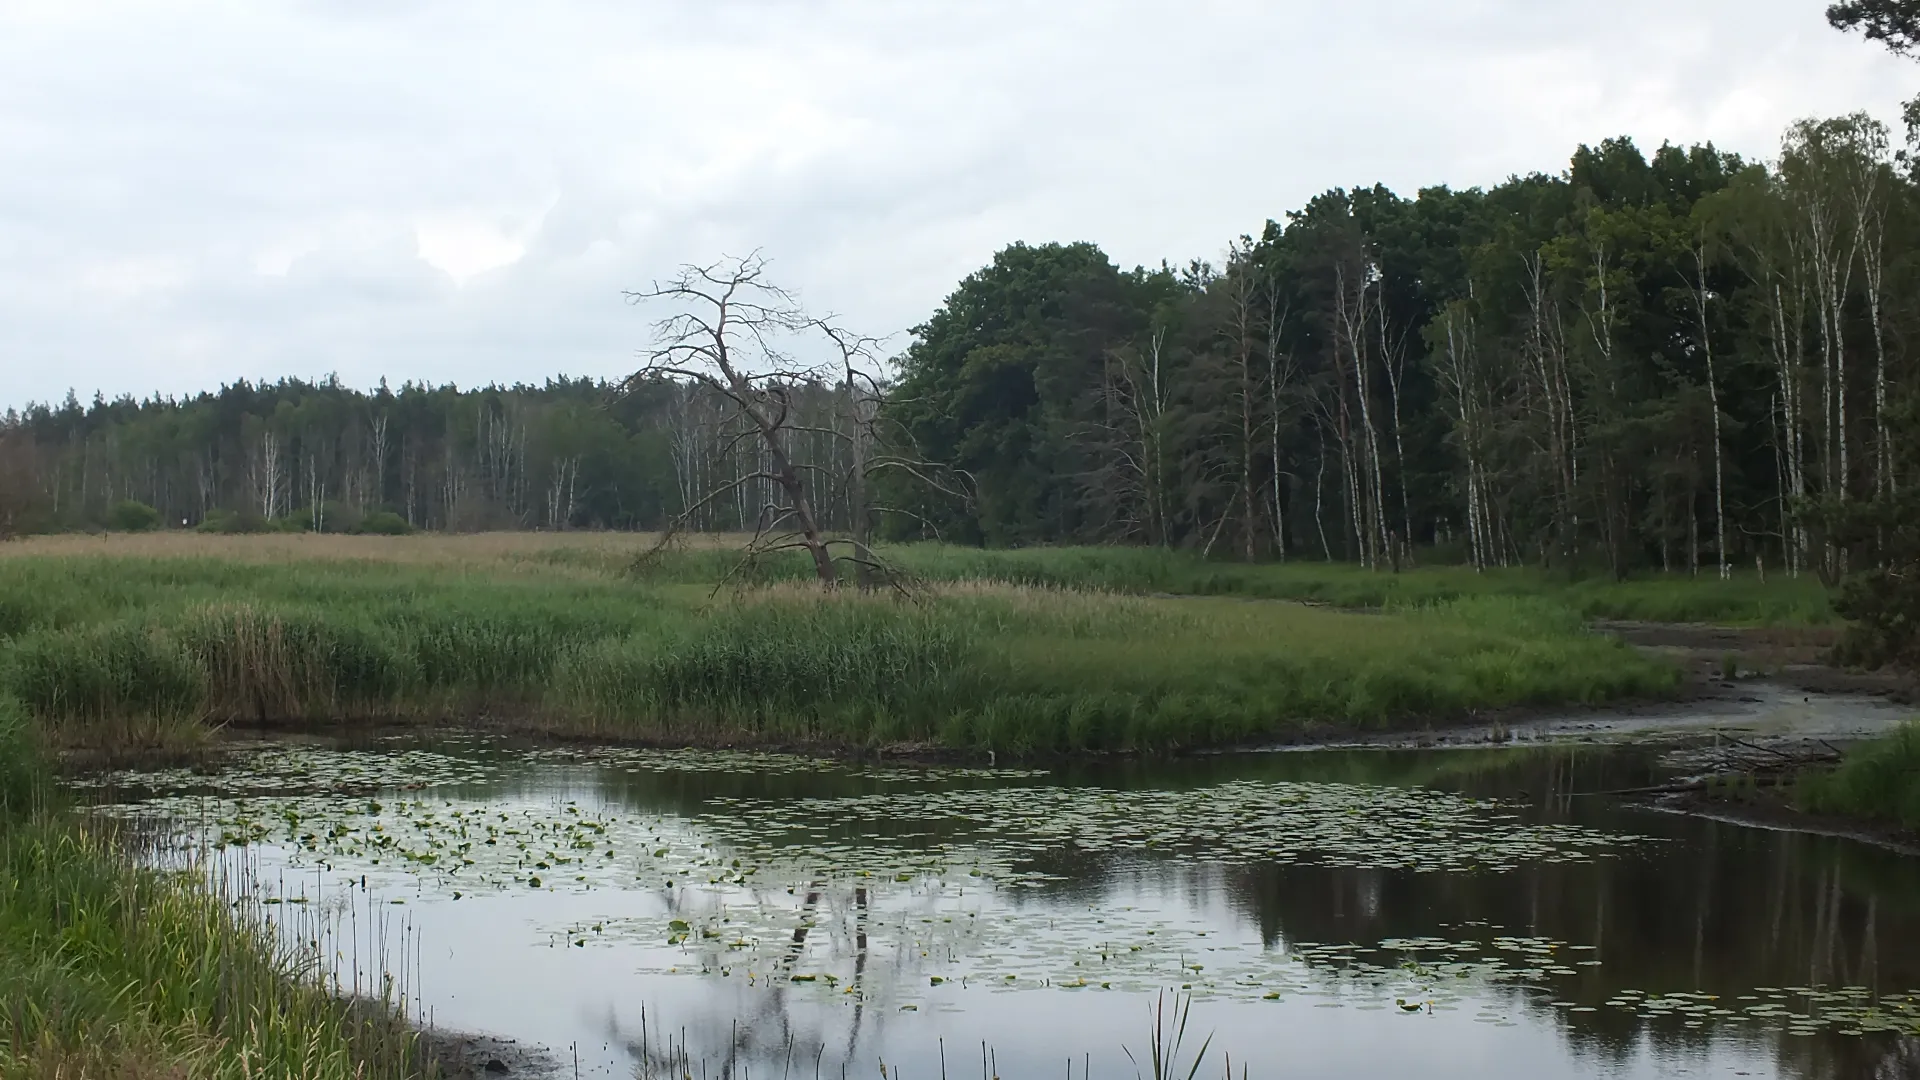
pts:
[154, 640]
[1744, 600]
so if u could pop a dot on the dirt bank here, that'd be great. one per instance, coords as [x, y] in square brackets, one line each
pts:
[1792, 656]
[485, 1057]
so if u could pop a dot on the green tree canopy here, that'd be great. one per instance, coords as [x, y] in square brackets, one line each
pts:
[1894, 23]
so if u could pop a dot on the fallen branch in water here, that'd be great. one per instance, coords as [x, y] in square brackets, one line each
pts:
[1701, 784]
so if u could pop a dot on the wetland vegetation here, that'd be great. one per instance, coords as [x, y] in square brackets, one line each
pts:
[127, 650]
[1875, 781]
[162, 641]
[1165, 468]
[114, 969]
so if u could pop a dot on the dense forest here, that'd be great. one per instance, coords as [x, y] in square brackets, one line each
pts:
[1685, 360]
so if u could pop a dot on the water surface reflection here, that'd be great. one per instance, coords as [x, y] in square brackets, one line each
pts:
[1446, 913]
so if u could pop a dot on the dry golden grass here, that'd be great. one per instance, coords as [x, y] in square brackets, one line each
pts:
[443, 549]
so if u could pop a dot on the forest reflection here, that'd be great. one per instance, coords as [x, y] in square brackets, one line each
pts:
[1707, 908]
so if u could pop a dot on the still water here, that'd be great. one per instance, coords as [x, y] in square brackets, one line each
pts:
[1440, 914]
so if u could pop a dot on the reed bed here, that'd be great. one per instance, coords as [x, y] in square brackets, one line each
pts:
[112, 969]
[126, 651]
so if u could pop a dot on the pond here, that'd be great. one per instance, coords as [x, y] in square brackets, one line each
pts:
[1434, 913]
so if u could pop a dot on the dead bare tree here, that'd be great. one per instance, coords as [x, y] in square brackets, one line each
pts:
[735, 333]
[869, 453]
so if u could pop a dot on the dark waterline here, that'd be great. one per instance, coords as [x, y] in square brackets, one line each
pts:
[1283, 958]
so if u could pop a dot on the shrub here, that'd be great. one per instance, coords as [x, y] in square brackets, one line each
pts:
[1884, 609]
[234, 522]
[332, 516]
[129, 515]
[340, 517]
[383, 523]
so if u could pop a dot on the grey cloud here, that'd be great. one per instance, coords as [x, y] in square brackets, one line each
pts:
[197, 192]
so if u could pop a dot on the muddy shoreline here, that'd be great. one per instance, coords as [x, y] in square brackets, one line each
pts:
[484, 1057]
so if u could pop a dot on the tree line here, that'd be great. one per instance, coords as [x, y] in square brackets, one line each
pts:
[1683, 360]
[570, 453]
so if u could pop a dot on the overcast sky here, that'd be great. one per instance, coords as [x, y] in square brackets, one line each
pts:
[194, 192]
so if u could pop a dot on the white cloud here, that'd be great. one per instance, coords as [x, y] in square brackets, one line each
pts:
[461, 247]
[199, 190]
[132, 277]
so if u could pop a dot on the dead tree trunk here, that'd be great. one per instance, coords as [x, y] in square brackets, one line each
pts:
[729, 338]
[725, 339]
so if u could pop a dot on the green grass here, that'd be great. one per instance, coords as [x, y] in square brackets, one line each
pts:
[149, 652]
[112, 970]
[1879, 780]
[1743, 600]
[20, 779]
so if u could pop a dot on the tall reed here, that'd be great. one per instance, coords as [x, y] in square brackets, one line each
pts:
[113, 969]
[133, 652]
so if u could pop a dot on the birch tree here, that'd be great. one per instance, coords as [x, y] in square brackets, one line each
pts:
[1701, 298]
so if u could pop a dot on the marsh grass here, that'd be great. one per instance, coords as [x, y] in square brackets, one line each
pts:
[21, 790]
[702, 559]
[112, 969]
[1165, 1049]
[1041, 671]
[1653, 598]
[1878, 780]
[1743, 600]
[149, 651]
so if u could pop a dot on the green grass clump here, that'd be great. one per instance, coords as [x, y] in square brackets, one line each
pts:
[1220, 672]
[1879, 780]
[110, 970]
[110, 673]
[795, 666]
